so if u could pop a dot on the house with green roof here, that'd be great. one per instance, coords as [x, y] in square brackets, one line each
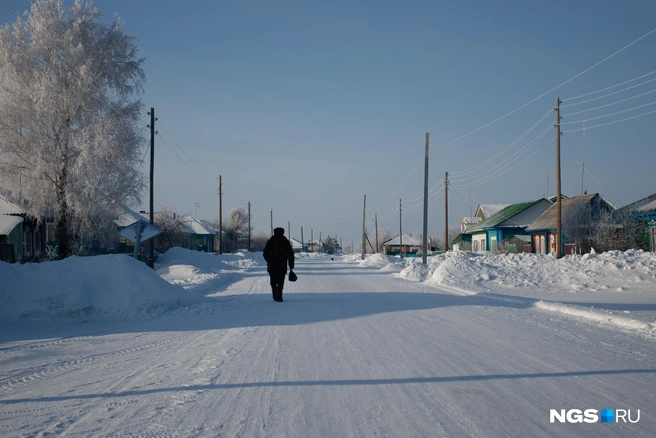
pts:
[507, 225]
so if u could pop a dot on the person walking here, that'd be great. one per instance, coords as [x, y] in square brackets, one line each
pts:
[278, 253]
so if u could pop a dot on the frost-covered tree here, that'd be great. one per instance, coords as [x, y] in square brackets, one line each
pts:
[235, 229]
[69, 107]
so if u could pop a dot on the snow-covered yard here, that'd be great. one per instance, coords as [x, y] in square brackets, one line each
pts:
[469, 345]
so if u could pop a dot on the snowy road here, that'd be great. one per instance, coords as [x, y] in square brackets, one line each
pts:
[351, 352]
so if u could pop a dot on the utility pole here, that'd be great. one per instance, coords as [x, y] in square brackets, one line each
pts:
[558, 194]
[585, 140]
[220, 216]
[364, 214]
[446, 211]
[289, 230]
[249, 225]
[425, 239]
[151, 243]
[400, 231]
[302, 241]
[312, 238]
[376, 223]
[272, 221]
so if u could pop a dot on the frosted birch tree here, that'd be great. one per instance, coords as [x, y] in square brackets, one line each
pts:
[69, 108]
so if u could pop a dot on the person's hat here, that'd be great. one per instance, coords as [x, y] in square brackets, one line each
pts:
[279, 231]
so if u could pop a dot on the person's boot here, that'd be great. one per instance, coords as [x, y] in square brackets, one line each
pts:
[274, 292]
[280, 292]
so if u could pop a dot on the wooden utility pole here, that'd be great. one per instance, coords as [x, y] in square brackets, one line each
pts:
[302, 241]
[424, 258]
[364, 214]
[151, 243]
[220, 216]
[446, 211]
[289, 230]
[312, 238]
[400, 231]
[272, 221]
[249, 226]
[376, 223]
[558, 194]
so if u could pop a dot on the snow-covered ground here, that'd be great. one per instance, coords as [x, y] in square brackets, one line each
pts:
[467, 345]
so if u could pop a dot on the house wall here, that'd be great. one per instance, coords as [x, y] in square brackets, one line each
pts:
[479, 242]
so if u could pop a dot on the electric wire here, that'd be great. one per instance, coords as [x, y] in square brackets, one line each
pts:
[608, 88]
[508, 147]
[609, 115]
[610, 123]
[191, 160]
[614, 103]
[194, 172]
[553, 89]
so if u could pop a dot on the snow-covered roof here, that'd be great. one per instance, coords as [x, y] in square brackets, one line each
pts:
[489, 209]
[472, 220]
[195, 226]
[7, 207]
[8, 223]
[407, 240]
[644, 205]
[296, 244]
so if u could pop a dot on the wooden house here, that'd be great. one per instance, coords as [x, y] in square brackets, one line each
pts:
[578, 211]
[644, 210]
[502, 230]
[407, 246]
[22, 236]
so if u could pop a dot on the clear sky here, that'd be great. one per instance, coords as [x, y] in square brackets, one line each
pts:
[304, 107]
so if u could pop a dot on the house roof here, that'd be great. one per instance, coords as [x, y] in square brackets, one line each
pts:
[503, 215]
[490, 209]
[407, 240]
[195, 226]
[472, 220]
[8, 223]
[295, 243]
[645, 205]
[7, 207]
[548, 219]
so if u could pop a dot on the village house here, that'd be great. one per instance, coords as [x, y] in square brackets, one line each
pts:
[406, 246]
[22, 236]
[505, 230]
[577, 213]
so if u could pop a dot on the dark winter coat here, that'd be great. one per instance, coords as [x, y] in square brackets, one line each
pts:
[277, 253]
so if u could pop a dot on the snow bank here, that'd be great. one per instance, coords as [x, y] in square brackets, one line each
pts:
[203, 272]
[83, 286]
[611, 271]
[613, 288]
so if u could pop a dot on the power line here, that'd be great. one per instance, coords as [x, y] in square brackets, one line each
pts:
[553, 89]
[611, 94]
[608, 88]
[454, 176]
[610, 115]
[610, 123]
[191, 160]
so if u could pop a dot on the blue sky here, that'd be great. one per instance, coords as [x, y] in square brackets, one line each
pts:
[305, 107]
